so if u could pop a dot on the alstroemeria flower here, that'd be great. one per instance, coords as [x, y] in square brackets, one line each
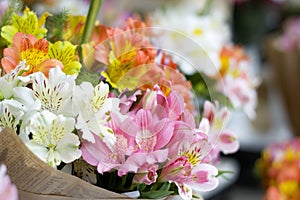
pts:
[92, 107]
[220, 138]
[28, 23]
[21, 107]
[234, 79]
[55, 93]
[122, 51]
[52, 138]
[11, 80]
[176, 170]
[10, 116]
[136, 161]
[100, 155]
[149, 134]
[203, 177]
[147, 174]
[65, 53]
[34, 51]
[8, 191]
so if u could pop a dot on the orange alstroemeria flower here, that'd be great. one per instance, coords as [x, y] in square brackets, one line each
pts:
[33, 50]
[231, 58]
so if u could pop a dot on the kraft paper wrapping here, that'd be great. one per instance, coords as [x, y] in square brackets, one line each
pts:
[285, 66]
[37, 181]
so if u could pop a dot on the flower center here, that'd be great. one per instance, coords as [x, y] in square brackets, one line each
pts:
[33, 57]
[146, 140]
[193, 157]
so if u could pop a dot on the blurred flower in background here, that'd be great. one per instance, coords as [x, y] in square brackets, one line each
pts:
[279, 170]
[8, 191]
[290, 38]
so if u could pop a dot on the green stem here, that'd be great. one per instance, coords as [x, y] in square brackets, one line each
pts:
[207, 7]
[90, 23]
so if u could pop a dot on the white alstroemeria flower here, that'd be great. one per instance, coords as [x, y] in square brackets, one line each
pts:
[55, 92]
[9, 115]
[92, 108]
[52, 138]
[28, 104]
[11, 80]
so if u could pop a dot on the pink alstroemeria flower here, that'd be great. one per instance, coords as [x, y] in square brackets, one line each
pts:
[220, 138]
[147, 174]
[176, 170]
[203, 177]
[149, 134]
[100, 155]
[8, 191]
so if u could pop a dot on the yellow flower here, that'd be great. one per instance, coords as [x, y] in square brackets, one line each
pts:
[119, 67]
[289, 188]
[65, 53]
[74, 29]
[28, 23]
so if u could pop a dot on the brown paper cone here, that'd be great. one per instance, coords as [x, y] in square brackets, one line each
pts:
[285, 68]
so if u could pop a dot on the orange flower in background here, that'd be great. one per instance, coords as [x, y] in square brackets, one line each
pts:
[231, 58]
[280, 172]
[33, 50]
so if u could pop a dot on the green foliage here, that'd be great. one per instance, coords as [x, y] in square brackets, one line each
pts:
[156, 194]
[15, 6]
[156, 190]
[204, 88]
[83, 75]
[56, 25]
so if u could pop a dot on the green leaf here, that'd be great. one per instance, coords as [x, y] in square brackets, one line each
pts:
[56, 24]
[166, 186]
[156, 194]
[1, 96]
[15, 6]
[141, 187]
[93, 78]
[223, 172]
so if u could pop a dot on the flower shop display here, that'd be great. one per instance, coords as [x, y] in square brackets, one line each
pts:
[106, 105]
[278, 168]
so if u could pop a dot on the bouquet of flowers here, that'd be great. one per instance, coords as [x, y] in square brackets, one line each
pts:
[278, 168]
[106, 105]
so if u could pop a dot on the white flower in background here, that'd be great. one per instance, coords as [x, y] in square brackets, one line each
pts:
[92, 107]
[242, 94]
[193, 38]
[9, 114]
[8, 191]
[52, 138]
[55, 92]
[74, 7]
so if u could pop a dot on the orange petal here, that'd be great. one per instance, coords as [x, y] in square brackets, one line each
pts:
[19, 37]
[41, 44]
[101, 54]
[46, 65]
[8, 63]
[11, 52]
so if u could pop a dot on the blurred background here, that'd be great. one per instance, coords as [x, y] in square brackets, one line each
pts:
[269, 30]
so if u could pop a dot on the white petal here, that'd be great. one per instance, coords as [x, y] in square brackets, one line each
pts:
[40, 151]
[68, 148]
